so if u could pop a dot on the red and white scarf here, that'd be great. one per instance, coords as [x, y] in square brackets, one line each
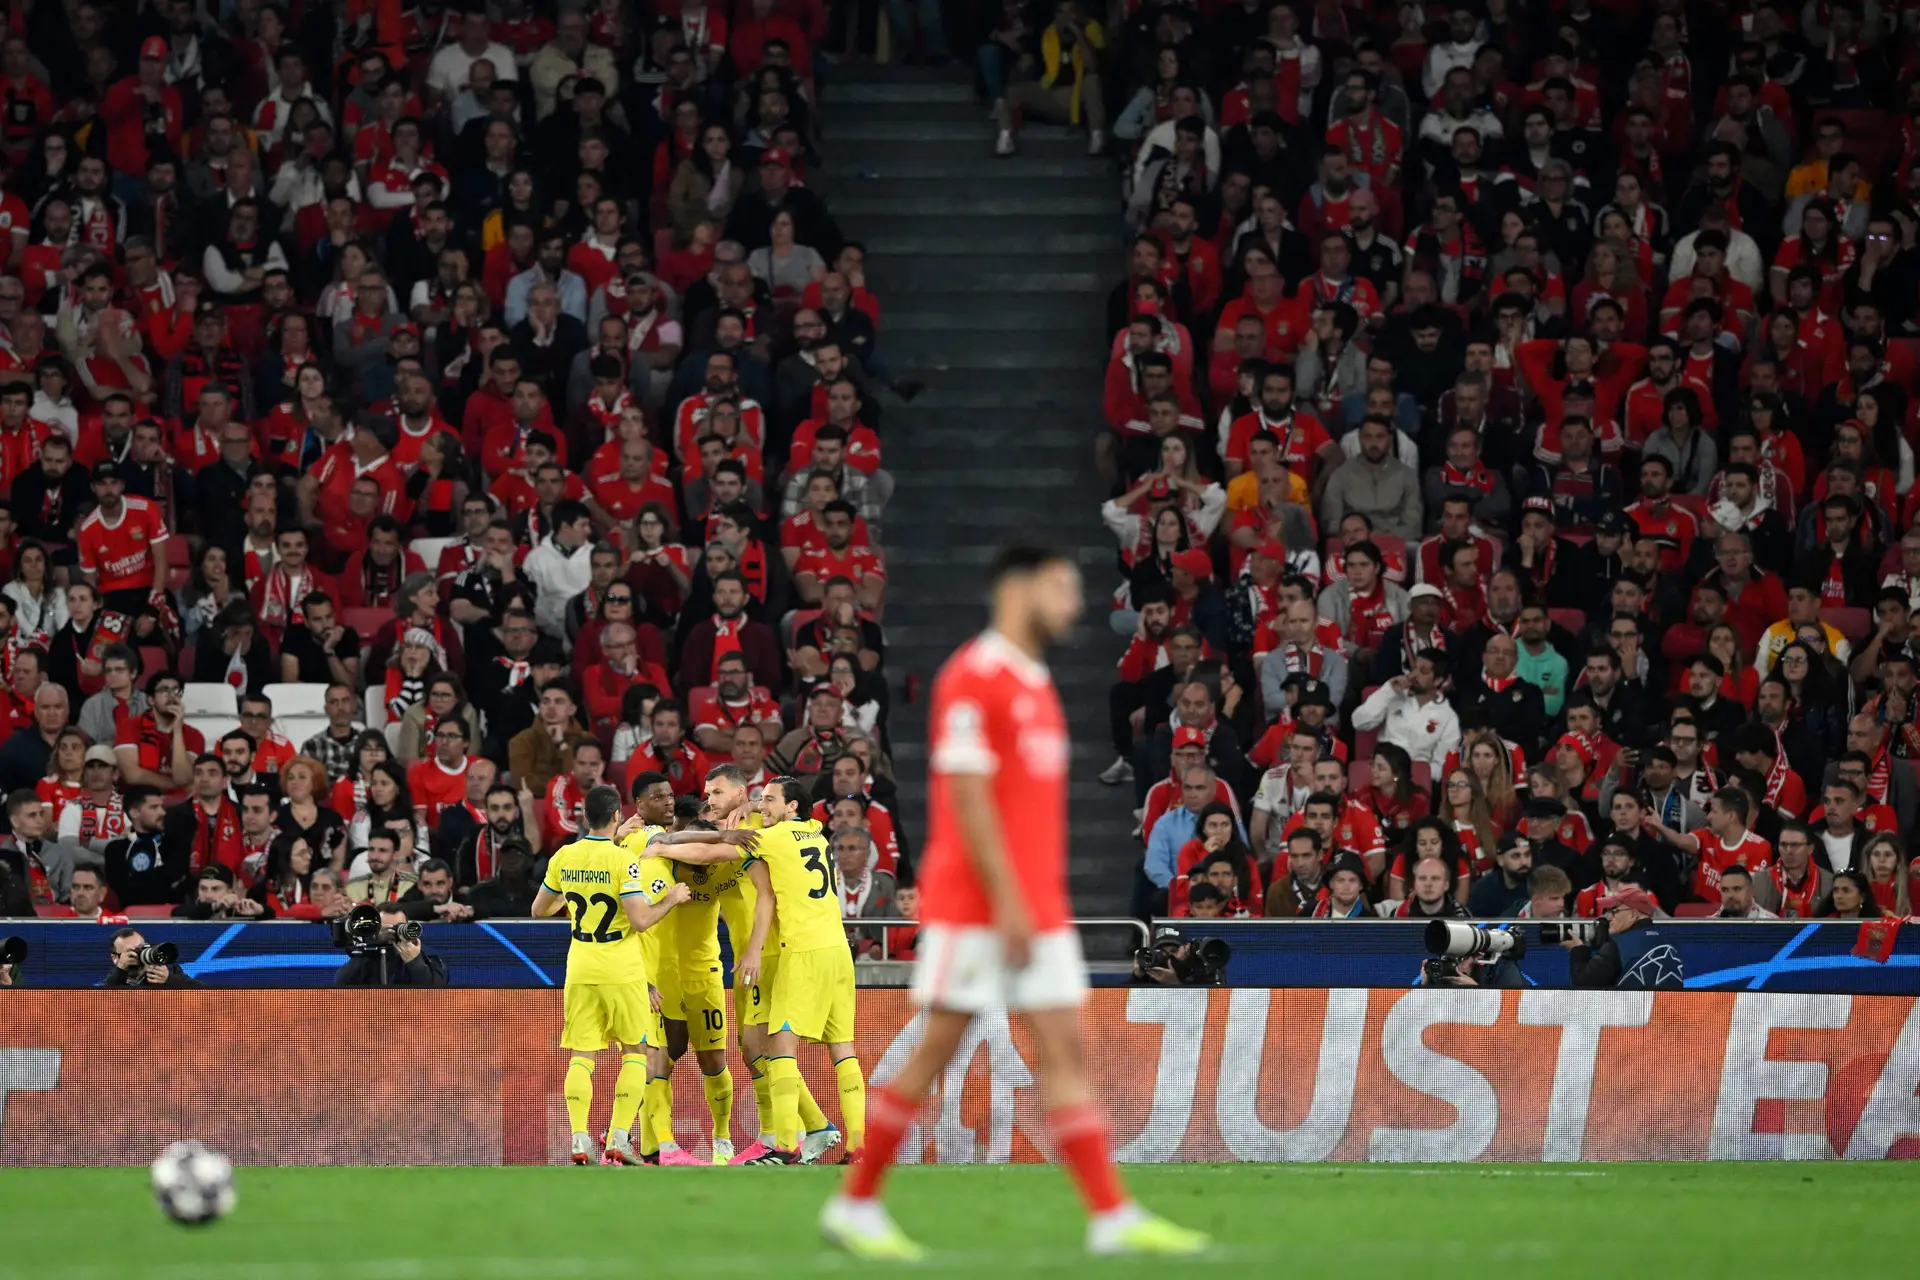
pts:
[1480, 480]
[1795, 903]
[281, 605]
[1498, 684]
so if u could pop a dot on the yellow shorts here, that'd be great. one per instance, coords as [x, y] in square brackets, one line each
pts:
[752, 1005]
[705, 1008]
[814, 996]
[664, 973]
[600, 1014]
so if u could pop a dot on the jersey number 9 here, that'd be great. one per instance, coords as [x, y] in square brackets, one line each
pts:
[820, 862]
[604, 932]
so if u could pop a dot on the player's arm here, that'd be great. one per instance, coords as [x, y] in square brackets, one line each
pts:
[698, 848]
[979, 821]
[747, 963]
[643, 915]
[547, 902]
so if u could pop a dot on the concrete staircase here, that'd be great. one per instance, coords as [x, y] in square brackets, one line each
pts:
[993, 275]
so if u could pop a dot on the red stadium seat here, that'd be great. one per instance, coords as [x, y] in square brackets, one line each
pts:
[1574, 620]
[149, 911]
[1422, 776]
[1695, 910]
[152, 658]
[1578, 537]
[1359, 772]
[366, 622]
[1855, 624]
[179, 554]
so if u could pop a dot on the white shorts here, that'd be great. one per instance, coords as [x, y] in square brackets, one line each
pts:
[962, 968]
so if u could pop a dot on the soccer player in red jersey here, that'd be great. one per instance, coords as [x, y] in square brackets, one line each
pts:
[997, 928]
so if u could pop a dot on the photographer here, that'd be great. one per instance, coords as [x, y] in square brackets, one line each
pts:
[386, 952]
[135, 964]
[1172, 961]
[1635, 956]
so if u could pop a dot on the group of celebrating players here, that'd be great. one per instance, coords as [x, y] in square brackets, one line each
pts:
[646, 903]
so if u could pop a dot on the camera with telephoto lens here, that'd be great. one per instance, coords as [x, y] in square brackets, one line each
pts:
[156, 953]
[13, 950]
[1588, 933]
[1204, 965]
[363, 934]
[1451, 941]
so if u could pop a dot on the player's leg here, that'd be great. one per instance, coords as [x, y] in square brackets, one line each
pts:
[1050, 990]
[660, 1107]
[782, 1065]
[706, 1032]
[838, 1035]
[753, 1048]
[629, 1091]
[583, 1032]
[855, 1219]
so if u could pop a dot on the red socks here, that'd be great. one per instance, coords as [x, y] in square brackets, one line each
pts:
[890, 1114]
[1080, 1137]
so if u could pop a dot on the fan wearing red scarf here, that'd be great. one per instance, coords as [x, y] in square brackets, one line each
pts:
[562, 806]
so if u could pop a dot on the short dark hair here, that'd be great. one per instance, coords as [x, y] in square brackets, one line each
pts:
[646, 780]
[602, 806]
[1021, 559]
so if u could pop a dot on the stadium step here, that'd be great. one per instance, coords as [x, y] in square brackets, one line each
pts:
[994, 275]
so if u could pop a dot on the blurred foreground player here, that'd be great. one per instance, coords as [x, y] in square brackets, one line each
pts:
[996, 926]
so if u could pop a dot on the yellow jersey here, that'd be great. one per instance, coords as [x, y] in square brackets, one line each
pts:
[593, 874]
[806, 885]
[655, 943]
[739, 910]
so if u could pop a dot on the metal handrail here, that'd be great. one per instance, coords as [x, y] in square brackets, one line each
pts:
[882, 923]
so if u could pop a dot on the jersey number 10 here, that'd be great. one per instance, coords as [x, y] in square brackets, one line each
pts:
[604, 932]
[820, 862]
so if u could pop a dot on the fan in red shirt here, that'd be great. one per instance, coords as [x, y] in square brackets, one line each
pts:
[840, 557]
[801, 532]
[142, 113]
[1304, 443]
[1370, 141]
[367, 452]
[843, 411]
[1286, 319]
[504, 448]
[118, 543]
[279, 598]
[669, 751]
[631, 483]
[440, 781]
[20, 435]
[998, 929]
[158, 748]
[561, 819]
[731, 701]
[1724, 842]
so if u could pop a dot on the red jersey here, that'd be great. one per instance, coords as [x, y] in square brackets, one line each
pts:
[20, 450]
[856, 563]
[996, 714]
[436, 787]
[121, 552]
[801, 530]
[1752, 852]
[156, 747]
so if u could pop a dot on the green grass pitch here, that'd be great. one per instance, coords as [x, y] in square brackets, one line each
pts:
[1347, 1221]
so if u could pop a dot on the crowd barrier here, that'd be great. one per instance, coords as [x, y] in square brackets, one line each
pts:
[1719, 955]
[474, 1077]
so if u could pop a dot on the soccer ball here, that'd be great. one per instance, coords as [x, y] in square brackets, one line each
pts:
[193, 1185]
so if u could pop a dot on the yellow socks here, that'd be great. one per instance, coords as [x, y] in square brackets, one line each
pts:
[784, 1077]
[660, 1111]
[853, 1101]
[719, 1088]
[762, 1095]
[812, 1118]
[629, 1089]
[579, 1092]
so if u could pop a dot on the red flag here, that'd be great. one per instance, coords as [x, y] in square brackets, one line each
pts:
[1876, 939]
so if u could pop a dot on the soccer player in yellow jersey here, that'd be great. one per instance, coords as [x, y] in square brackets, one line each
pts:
[757, 962]
[612, 902]
[653, 796]
[692, 998]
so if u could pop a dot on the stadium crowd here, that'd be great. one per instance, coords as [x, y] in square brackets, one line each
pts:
[1511, 424]
[411, 417]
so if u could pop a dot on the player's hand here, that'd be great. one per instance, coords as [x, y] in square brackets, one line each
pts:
[632, 824]
[653, 997]
[1014, 923]
[678, 894]
[741, 838]
[747, 969]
